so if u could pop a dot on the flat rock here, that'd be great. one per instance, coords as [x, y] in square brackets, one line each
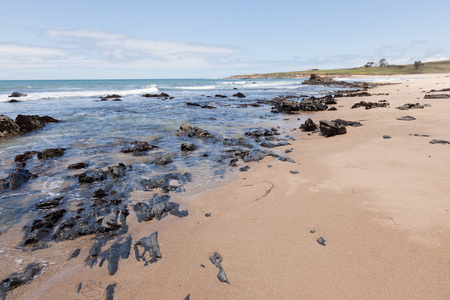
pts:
[330, 128]
[148, 245]
[437, 141]
[406, 118]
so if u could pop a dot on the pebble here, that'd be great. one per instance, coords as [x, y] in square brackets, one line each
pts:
[386, 136]
[321, 241]
[312, 231]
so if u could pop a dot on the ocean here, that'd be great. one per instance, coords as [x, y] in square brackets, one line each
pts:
[95, 131]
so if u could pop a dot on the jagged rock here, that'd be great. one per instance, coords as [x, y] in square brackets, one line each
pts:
[315, 79]
[257, 155]
[286, 105]
[262, 132]
[188, 147]
[369, 105]
[110, 291]
[41, 228]
[330, 128]
[352, 94]
[138, 146]
[438, 96]
[237, 142]
[193, 131]
[313, 104]
[48, 119]
[17, 279]
[74, 254]
[80, 165]
[412, 106]
[150, 245]
[217, 259]
[51, 153]
[158, 207]
[52, 203]
[321, 241]
[163, 159]
[99, 194]
[114, 253]
[29, 123]
[117, 170]
[239, 95]
[17, 95]
[8, 127]
[309, 125]
[244, 169]
[163, 181]
[92, 175]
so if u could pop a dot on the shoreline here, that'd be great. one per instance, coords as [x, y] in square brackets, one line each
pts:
[379, 204]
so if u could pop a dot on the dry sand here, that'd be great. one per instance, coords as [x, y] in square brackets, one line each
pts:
[382, 205]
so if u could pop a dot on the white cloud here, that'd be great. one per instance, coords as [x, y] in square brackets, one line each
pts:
[17, 51]
[119, 47]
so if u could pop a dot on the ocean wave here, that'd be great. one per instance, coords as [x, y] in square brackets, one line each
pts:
[80, 94]
[195, 88]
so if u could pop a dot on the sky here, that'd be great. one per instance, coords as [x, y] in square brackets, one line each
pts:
[146, 39]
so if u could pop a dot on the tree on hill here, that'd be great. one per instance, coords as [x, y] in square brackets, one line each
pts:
[383, 63]
[369, 64]
[418, 65]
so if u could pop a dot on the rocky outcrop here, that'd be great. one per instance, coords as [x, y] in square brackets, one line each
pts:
[22, 124]
[437, 96]
[369, 105]
[51, 153]
[315, 79]
[16, 179]
[192, 131]
[239, 95]
[330, 128]
[17, 279]
[17, 95]
[162, 95]
[309, 125]
[157, 208]
[412, 106]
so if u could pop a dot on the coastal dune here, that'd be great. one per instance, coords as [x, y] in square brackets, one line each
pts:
[365, 217]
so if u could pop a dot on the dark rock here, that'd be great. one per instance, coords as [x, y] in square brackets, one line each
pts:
[385, 136]
[117, 170]
[208, 215]
[244, 169]
[406, 118]
[94, 253]
[239, 95]
[80, 165]
[92, 175]
[257, 155]
[112, 96]
[17, 95]
[8, 127]
[330, 128]
[416, 134]
[188, 147]
[369, 105]
[162, 95]
[309, 125]
[114, 253]
[17, 279]
[51, 153]
[284, 158]
[294, 172]
[138, 146]
[217, 259]
[163, 160]
[50, 203]
[80, 285]
[437, 96]
[285, 105]
[321, 241]
[150, 245]
[193, 131]
[40, 229]
[14, 101]
[412, 106]
[313, 104]
[48, 119]
[29, 123]
[75, 253]
[262, 133]
[99, 194]
[353, 94]
[315, 79]
[110, 291]
[220, 96]
[163, 181]
[312, 231]
[347, 123]
[437, 141]
[158, 207]
[25, 156]
[16, 179]
[192, 104]
[273, 145]
[188, 297]
[332, 108]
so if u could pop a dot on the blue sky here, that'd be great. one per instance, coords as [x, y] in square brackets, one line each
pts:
[213, 39]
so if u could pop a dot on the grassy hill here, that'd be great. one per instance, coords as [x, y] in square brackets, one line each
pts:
[427, 68]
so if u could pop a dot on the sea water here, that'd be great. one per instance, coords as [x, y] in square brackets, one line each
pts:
[94, 131]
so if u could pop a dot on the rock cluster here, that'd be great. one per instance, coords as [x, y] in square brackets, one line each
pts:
[22, 124]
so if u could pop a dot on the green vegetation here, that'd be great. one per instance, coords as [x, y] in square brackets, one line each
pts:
[416, 68]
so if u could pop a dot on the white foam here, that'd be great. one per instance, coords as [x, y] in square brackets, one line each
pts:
[80, 94]
[195, 88]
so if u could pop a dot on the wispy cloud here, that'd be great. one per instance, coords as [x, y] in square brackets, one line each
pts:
[21, 51]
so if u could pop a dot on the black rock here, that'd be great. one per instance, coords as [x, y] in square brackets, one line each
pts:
[239, 95]
[14, 101]
[385, 136]
[321, 241]
[138, 146]
[8, 127]
[188, 147]
[436, 141]
[157, 207]
[330, 128]
[412, 106]
[110, 291]
[208, 215]
[17, 95]
[309, 125]
[39, 230]
[193, 131]
[257, 155]
[80, 165]
[117, 170]
[217, 259]
[51, 153]
[163, 181]
[369, 105]
[92, 175]
[294, 172]
[163, 160]
[148, 244]
[29, 123]
[244, 169]
[17, 279]
[406, 118]
[437, 96]
[75, 253]
[49, 203]
[220, 96]
[114, 253]
[347, 123]
[16, 179]
[162, 95]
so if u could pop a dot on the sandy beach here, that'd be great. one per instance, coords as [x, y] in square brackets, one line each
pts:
[381, 205]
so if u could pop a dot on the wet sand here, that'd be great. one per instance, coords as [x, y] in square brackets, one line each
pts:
[382, 206]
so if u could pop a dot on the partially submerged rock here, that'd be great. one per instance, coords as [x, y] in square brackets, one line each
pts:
[22, 124]
[149, 245]
[16, 179]
[192, 131]
[138, 146]
[164, 181]
[92, 175]
[330, 128]
[51, 153]
[49, 204]
[80, 165]
[17, 95]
